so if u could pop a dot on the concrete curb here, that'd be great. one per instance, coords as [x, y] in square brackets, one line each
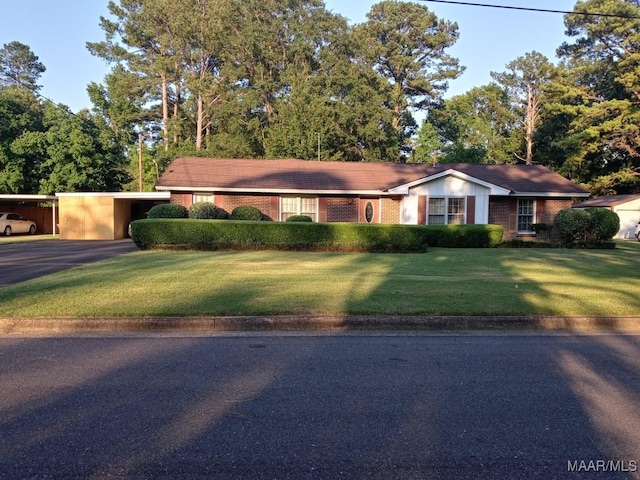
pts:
[318, 323]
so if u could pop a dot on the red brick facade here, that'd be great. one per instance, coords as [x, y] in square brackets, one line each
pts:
[341, 209]
[391, 210]
[503, 211]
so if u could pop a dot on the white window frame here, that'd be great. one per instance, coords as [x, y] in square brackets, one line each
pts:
[531, 215]
[444, 211]
[299, 207]
[199, 197]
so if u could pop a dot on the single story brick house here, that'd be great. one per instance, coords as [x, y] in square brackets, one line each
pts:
[514, 196]
[627, 207]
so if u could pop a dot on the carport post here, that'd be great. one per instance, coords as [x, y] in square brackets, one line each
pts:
[53, 214]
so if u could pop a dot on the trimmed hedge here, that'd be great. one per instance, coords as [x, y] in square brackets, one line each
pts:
[207, 210]
[350, 237]
[299, 218]
[245, 212]
[168, 210]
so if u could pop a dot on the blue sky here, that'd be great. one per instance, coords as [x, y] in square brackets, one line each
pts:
[57, 31]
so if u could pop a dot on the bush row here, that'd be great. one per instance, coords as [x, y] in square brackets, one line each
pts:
[246, 235]
[204, 210]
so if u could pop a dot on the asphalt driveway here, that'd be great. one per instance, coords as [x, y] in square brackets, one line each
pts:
[26, 260]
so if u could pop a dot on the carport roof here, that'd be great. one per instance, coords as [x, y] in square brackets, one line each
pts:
[121, 195]
[28, 198]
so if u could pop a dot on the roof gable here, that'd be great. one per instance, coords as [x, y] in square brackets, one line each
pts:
[404, 189]
[317, 177]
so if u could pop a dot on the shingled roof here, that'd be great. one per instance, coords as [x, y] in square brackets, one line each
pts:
[293, 175]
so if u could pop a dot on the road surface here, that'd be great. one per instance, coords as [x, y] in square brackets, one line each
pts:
[303, 406]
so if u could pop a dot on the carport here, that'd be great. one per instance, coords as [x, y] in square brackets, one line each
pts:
[103, 215]
[42, 209]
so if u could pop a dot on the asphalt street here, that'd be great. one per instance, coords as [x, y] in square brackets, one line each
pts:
[26, 260]
[329, 406]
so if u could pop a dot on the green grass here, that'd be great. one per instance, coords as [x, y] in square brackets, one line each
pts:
[442, 281]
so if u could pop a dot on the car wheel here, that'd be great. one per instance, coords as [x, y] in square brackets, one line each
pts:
[7, 230]
[32, 229]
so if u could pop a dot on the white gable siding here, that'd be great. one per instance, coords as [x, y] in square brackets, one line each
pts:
[449, 186]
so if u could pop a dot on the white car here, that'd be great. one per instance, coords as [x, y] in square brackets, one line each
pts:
[15, 223]
[637, 232]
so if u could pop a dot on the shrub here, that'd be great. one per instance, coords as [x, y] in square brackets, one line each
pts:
[310, 236]
[168, 210]
[589, 227]
[299, 218]
[543, 230]
[245, 212]
[207, 210]
[604, 224]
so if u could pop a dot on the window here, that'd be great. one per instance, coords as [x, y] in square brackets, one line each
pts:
[455, 212]
[446, 211]
[526, 215]
[436, 211]
[202, 197]
[290, 206]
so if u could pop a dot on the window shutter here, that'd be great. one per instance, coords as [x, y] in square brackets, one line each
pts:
[471, 210]
[422, 210]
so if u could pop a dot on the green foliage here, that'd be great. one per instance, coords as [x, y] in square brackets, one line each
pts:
[245, 212]
[207, 210]
[19, 66]
[168, 210]
[305, 74]
[572, 225]
[299, 218]
[479, 126]
[214, 235]
[585, 228]
[406, 43]
[44, 148]
[605, 224]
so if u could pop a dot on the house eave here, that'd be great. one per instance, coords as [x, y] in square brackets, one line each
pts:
[550, 194]
[273, 191]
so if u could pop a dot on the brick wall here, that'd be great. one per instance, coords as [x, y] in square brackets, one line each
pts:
[391, 210]
[499, 215]
[267, 204]
[502, 211]
[341, 209]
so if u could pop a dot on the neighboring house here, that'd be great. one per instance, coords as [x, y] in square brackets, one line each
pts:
[514, 196]
[626, 206]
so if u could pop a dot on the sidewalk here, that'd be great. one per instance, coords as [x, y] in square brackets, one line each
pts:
[318, 323]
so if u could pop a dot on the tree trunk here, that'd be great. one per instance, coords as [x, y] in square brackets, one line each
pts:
[165, 112]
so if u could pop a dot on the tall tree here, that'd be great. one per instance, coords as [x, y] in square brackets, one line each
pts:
[19, 66]
[20, 114]
[604, 61]
[525, 80]
[72, 153]
[406, 43]
[479, 126]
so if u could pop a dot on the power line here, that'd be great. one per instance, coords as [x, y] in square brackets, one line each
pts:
[538, 10]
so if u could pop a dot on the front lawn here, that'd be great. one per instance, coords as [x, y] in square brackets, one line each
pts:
[442, 281]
